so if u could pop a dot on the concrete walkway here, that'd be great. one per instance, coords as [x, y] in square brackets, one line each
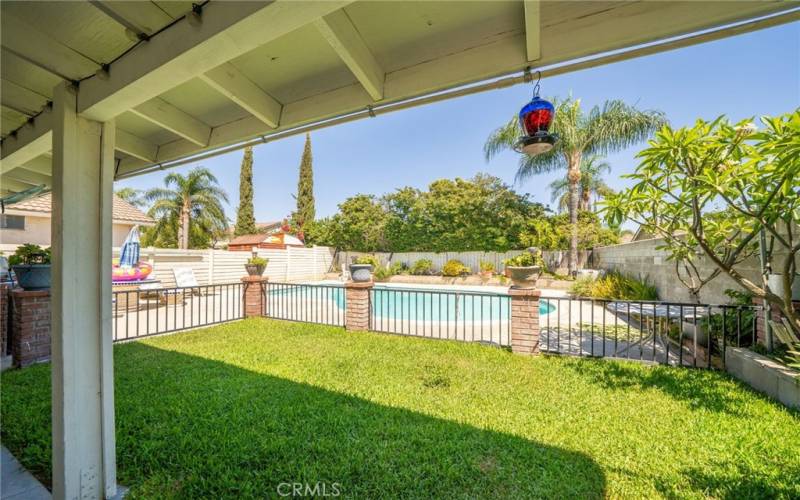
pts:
[17, 483]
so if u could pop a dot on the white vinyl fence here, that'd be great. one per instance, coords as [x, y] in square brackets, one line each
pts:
[553, 259]
[222, 266]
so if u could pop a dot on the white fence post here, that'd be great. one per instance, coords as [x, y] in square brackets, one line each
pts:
[210, 266]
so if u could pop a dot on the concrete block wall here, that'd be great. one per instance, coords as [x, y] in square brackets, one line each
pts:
[644, 259]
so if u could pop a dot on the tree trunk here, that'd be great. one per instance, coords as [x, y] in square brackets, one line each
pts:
[574, 177]
[183, 229]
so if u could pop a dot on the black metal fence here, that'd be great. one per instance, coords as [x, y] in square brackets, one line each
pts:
[323, 304]
[674, 333]
[442, 314]
[141, 313]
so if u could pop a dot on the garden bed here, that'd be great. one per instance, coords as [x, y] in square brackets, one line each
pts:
[765, 375]
[238, 409]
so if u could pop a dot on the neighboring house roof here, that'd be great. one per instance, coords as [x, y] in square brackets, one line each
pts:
[123, 212]
[248, 239]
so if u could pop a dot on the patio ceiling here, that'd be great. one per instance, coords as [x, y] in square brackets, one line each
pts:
[179, 84]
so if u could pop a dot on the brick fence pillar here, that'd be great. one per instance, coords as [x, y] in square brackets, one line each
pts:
[524, 320]
[357, 308]
[4, 297]
[254, 294]
[30, 326]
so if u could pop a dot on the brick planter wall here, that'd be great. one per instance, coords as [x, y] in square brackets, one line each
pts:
[524, 320]
[357, 306]
[30, 337]
[255, 296]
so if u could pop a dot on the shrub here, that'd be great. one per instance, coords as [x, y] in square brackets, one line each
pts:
[257, 261]
[30, 253]
[422, 267]
[486, 266]
[526, 259]
[732, 322]
[454, 268]
[368, 259]
[582, 287]
[615, 285]
[385, 272]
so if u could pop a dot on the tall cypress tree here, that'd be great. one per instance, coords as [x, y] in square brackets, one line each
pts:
[305, 188]
[245, 220]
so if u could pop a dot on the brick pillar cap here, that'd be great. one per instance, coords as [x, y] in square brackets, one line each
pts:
[363, 285]
[524, 292]
[255, 279]
[19, 292]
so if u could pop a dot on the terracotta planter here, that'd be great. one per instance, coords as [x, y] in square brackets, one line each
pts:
[361, 273]
[524, 277]
[485, 275]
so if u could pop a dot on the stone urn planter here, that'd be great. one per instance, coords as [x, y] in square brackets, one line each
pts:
[361, 273]
[255, 266]
[33, 276]
[524, 276]
[255, 269]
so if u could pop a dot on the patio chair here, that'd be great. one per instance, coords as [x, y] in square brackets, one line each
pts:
[184, 277]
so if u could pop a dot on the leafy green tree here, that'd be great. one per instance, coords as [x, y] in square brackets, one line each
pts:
[591, 185]
[188, 210]
[715, 187]
[245, 220]
[133, 196]
[305, 189]
[602, 130]
[359, 226]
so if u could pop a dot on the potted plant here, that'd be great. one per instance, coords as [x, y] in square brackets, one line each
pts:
[31, 265]
[487, 269]
[255, 265]
[525, 268]
[361, 268]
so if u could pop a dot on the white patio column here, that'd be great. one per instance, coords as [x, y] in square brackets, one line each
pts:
[84, 461]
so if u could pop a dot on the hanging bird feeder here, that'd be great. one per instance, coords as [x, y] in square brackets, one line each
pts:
[535, 119]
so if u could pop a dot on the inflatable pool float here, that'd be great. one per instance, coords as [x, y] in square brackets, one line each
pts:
[137, 273]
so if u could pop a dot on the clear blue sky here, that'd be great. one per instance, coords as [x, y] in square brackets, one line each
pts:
[749, 75]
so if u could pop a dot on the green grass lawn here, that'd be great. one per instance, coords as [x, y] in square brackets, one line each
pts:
[237, 409]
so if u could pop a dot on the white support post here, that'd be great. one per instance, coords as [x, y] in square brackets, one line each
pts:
[84, 448]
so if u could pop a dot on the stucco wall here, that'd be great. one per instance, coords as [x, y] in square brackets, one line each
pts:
[642, 259]
[37, 230]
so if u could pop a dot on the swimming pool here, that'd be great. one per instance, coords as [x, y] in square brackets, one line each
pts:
[443, 304]
[447, 304]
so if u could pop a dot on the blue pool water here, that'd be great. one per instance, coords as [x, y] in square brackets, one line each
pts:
[398, 303]
[416, 304]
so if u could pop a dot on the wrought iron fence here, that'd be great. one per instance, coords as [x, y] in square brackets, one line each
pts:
[442, 314]
[323, 304]
[672, 333]
[142, 313]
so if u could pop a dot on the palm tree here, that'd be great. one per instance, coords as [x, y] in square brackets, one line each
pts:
[188, 205]
[602, 130]
[132, 196]
[591, 184]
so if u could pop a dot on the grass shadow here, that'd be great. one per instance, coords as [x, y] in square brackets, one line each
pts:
[190, 427]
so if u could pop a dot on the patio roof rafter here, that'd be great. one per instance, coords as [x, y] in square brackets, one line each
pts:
[175, 120]
[533, 45]
[230, 82]
[343, 37]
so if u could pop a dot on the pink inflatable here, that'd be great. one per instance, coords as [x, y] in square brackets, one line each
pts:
[138, 273]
